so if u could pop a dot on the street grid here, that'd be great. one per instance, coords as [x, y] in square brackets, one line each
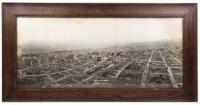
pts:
[141, 67]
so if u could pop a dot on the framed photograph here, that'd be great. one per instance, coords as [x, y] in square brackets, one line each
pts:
[99, 52]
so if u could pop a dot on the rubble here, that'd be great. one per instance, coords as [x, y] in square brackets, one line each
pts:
[127, 66]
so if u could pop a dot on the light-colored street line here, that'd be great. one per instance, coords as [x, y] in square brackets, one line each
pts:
[65, 77]
[173, 81]
[66, 70]
[93, 66]
[178, 73]
[176, 59]
[120, 71]
[54, 72]
[78, 66]
[28, 68]
[144, 76]
[97, 81]
[176, 67]
[160, 73]
[90, 77]
[173, 50]
[142, 60]
[154, 67]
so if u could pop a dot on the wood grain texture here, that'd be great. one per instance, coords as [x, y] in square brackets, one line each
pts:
[13, 10]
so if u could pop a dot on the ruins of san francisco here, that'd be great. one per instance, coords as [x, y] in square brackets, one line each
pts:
[115, 56]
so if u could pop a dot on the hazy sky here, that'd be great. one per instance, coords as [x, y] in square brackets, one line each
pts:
[96, 31]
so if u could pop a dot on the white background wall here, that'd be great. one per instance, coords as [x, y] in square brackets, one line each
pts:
[94, 1]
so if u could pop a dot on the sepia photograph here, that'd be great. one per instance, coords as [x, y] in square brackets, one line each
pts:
[99, 52]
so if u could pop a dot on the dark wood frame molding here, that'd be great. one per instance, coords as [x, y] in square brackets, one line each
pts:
[186, 11]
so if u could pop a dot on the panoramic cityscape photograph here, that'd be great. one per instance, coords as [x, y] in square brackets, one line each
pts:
[99, 52]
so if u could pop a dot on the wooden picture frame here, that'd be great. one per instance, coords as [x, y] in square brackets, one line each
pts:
[187, 11]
